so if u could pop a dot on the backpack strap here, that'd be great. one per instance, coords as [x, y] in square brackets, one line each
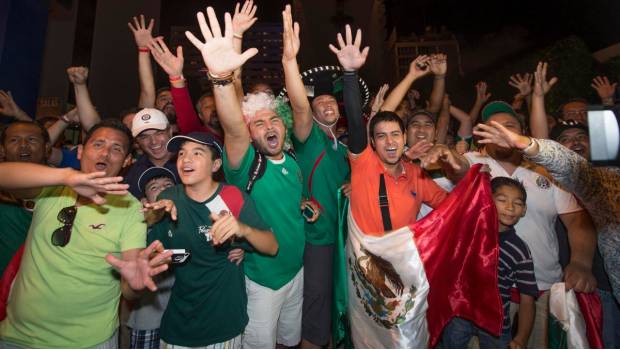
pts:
[257, 170]
[384, 205]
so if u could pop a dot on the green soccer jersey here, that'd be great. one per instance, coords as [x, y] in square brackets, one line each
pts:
[330, 173]
[277, 195]
[208, 303]
[15, 224]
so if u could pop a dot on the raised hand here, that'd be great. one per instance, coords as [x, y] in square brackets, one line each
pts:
[77, 75]
[420, 66]
[418, 150]
[481, 92]
[218, 51]
[440, 154]
[439, 64]
[541, 85]
[171, 64]
[142, 34]
[8, 106]
[290, 36]
[497, 134]
[94, 185]
[349, 54]
[604, 89]
[164, 204]
[243, 18]
[379, 99]
[139, 272]
[73, 116]
[523, 83]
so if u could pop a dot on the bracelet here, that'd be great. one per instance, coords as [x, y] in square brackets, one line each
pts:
[238, 36]
[440, 76]
[143, 49]
[65, 119]
[221, 80]
[176, 78]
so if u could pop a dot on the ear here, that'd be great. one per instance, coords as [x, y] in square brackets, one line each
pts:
[127, 160]
[372, 142]
[2, 153]
[48, 150]
[216, 165]
[80, 149]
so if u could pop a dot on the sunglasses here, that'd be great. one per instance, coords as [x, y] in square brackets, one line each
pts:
[62, 235]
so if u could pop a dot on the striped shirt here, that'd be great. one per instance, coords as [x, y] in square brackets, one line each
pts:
[515, 268]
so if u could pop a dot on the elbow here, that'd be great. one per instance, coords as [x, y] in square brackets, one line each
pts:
[274, 248]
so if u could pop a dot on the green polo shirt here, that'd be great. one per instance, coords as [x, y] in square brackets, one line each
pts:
[277, 195]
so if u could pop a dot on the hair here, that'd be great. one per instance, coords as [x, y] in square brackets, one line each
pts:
[385, 116]
[502, 181]
[215, 154]
[111, 124]
[38, 125]
[206, 94]
[417, 112]
[161, 89]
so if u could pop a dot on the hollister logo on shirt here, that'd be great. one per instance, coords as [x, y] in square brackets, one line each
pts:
[97, 226]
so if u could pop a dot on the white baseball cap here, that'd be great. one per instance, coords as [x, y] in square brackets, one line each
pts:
[148, 118]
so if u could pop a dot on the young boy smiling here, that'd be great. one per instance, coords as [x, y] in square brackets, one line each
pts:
[515, 268]
[208, 305]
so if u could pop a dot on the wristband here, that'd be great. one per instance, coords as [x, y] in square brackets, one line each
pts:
[238, 36]
[176, 78]
[440, 76]
[221, 80]
[143, 49]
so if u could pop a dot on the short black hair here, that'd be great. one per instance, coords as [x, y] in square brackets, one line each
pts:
[131, 110]
[385, 116]
[111, 123]
[44, 133]
[502, 181]
[161, 89]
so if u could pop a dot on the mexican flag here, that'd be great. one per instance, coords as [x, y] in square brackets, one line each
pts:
[404, 287]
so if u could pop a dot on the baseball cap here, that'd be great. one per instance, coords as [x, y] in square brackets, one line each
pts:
[564, 125]
[154, 172]
[174, 144]
[418, 112]
[148, 118]
[496, 107]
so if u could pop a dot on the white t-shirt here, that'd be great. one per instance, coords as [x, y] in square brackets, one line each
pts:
[545, 201]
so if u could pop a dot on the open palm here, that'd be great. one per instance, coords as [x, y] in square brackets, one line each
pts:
[349, 54]
[171, 64]
[218, 51]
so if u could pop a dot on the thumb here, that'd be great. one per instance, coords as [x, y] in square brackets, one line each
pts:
[553, 81]
[249, 53]
[114, 261]
[98, 199]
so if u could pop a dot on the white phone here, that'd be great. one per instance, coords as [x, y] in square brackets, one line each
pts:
[179, 256]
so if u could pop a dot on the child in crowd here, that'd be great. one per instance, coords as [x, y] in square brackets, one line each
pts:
[515, 268]
[146, 312]
[208, 303]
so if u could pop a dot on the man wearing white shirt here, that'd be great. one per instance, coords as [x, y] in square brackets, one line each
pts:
[546, 202]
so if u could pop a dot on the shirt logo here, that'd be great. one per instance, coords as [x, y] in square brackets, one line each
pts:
[170, 233]
[206, 231]
[97, 227]
[284, 171]
[542, 183]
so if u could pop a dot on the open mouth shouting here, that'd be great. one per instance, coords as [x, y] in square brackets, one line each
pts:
[186, 170]
[25, 156]
[101, 166]
[579, 149]
[273, 141]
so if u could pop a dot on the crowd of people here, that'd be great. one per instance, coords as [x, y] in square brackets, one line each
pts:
[220, 221]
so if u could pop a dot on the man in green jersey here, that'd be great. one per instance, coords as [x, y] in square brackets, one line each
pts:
[325, 167]
[253, 140]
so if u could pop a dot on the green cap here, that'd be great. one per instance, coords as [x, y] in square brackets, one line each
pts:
[495, 107]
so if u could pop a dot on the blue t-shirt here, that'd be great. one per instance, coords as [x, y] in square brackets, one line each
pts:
[69, 158]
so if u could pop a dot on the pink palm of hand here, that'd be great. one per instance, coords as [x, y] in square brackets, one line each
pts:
[218, 51]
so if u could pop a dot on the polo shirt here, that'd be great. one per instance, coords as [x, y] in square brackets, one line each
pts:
[406, 192]
[545, 201]
[137, 168]
[67, 297]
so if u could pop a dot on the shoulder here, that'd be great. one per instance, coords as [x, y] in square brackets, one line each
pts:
[517, 247]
